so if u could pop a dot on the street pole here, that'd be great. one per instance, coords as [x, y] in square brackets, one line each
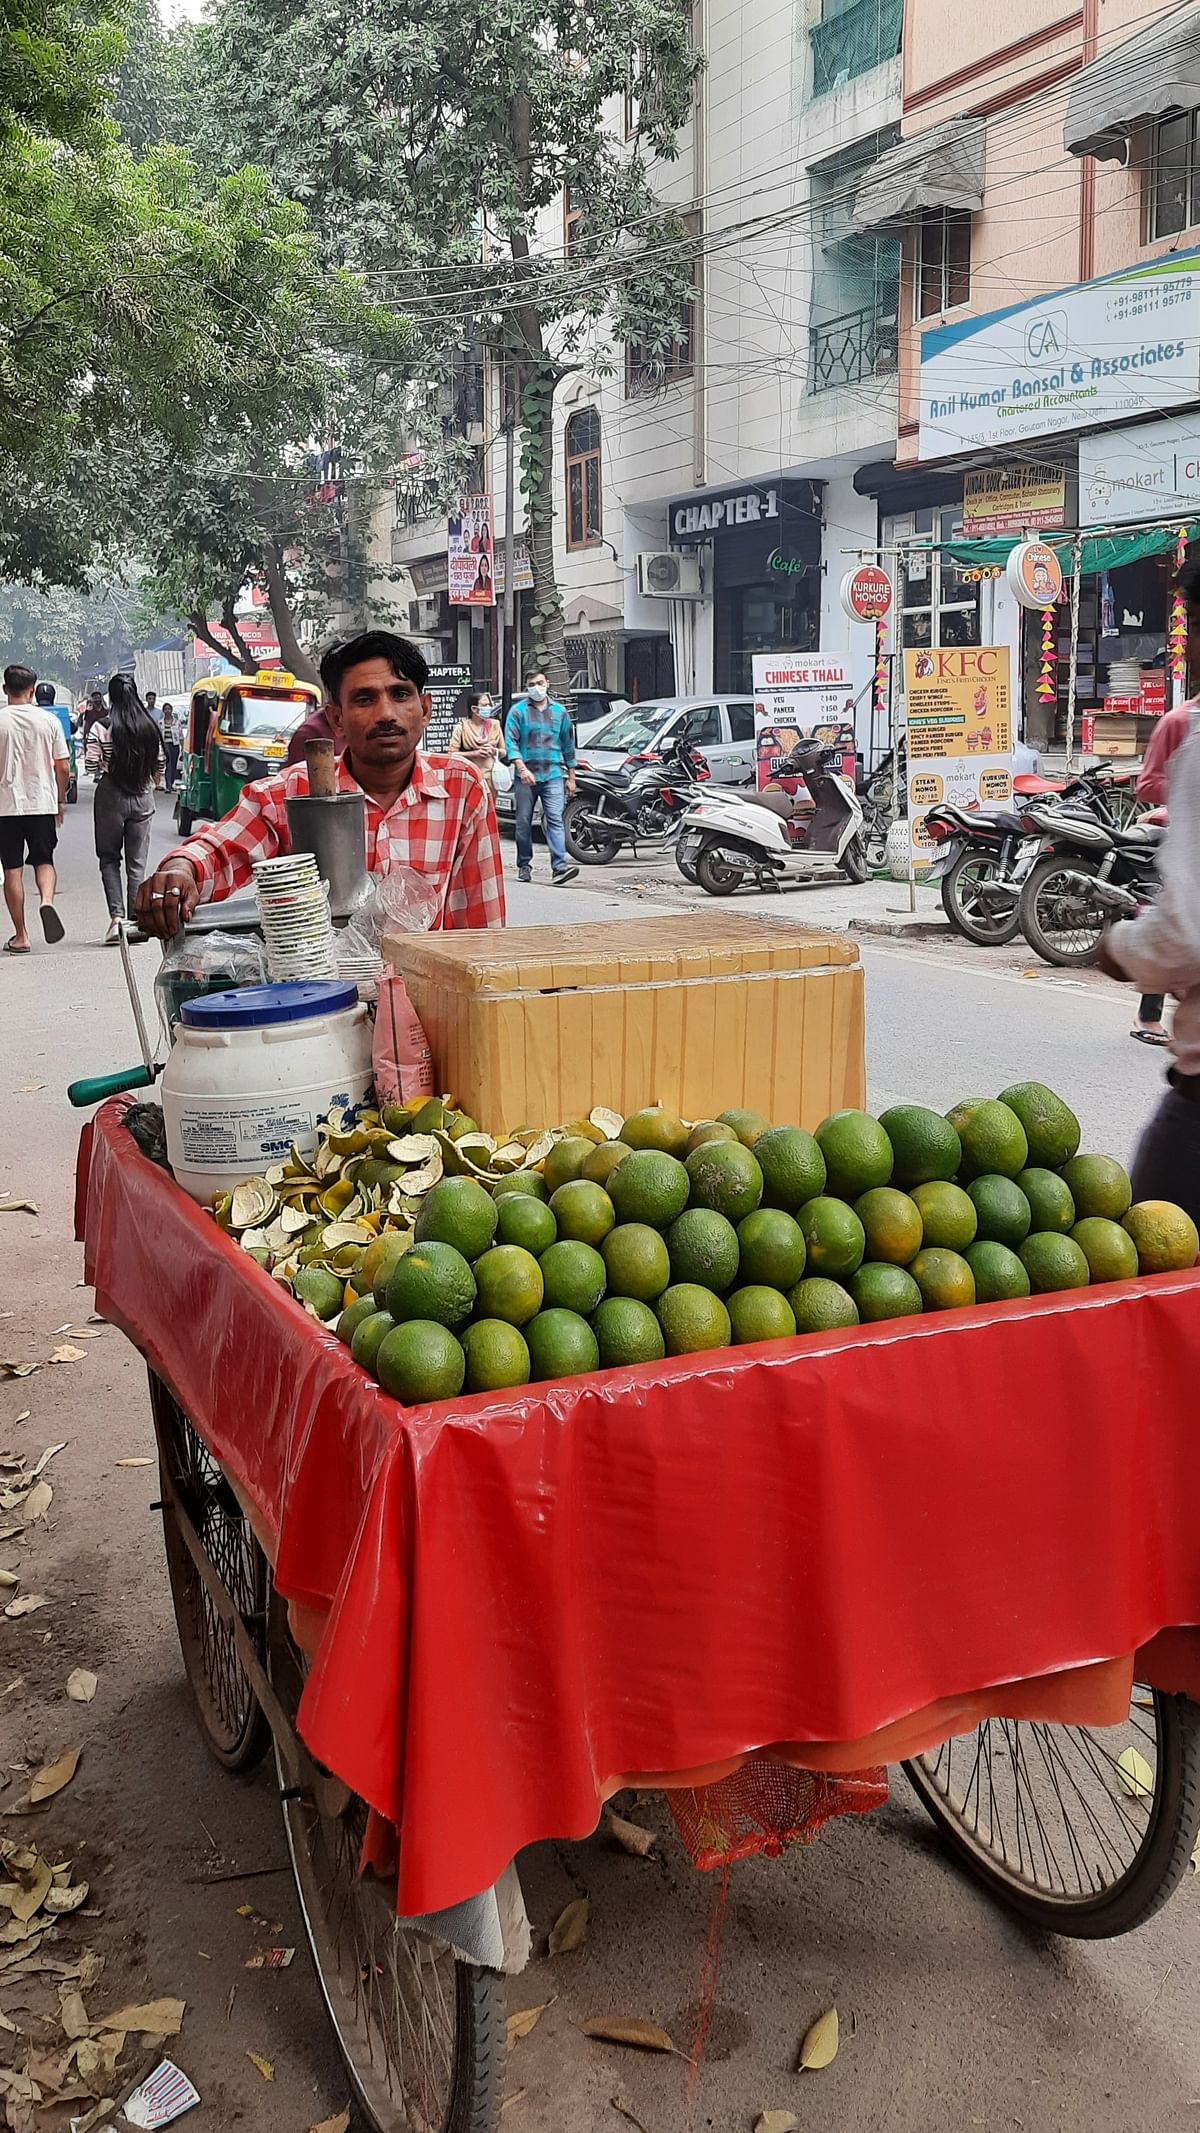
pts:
[1073, 669]
[508, 657]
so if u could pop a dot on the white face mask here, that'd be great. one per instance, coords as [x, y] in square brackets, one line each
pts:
[538, 692]
[484, 707]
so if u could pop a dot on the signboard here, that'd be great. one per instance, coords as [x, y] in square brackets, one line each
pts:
[866, 593]
[1147, 473]
[446, 685]
[703, 518]
[1021, 499]
[800, 696]
[1034, 575]
[1104, 351]
[261, 639]
[959, 707]
[469, 560]
[522, 567]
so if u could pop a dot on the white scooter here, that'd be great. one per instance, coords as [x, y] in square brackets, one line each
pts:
[731, 838]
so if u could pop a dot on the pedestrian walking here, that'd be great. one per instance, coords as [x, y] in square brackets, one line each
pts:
[151, 707]
[1170, 732]
[126, 754]
[479, 735]
[35, 771]
[1160, 952]
[172, 734]
[541, 748]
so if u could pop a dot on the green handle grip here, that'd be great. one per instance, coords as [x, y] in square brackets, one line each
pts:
[85, 1093]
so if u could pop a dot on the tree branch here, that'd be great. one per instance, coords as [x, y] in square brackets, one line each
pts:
[229, 625]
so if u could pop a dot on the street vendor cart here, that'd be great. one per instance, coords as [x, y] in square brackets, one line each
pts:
[969, 1544]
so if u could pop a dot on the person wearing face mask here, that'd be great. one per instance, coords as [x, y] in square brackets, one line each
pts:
[541, 749]
[479, 736]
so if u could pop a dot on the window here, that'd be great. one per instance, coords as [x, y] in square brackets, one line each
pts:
[943, 260]
[572, 223]
[741, 721]
[938, 603]
[651, 365]
[584, 510]
[703, 722]
[1174, 191]
[851, 37]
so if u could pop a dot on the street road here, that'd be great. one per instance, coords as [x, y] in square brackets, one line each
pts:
[953, 2017]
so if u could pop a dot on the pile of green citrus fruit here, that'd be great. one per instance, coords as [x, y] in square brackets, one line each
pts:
[673, 1238]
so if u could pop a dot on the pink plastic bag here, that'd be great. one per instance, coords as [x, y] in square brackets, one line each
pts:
[401, 1058]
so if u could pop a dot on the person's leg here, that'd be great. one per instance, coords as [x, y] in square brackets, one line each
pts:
[41, 839]
[1167, 1163]
[14, 897]
[137, 848]
[523, 798]
[1148, 1027]
[108, 823]
[551, 792]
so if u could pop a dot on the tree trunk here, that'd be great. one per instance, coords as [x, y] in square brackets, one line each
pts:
[199, 623]
[295, 658]
[549, 633]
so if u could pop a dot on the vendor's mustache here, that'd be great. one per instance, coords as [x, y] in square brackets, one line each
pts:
[388, 726]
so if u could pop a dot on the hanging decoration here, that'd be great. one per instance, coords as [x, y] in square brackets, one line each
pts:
[1047, 684]
[881, 670]
[1177, 634]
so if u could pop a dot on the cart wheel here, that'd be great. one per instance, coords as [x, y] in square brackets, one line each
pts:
[422, 2034]
[227, 1709]
[1084, 1832]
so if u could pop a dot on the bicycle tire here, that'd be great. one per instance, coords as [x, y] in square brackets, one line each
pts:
[226, 1708]
[1170, 1810]
[985, 932]
[367, 1964]
[1030, 919]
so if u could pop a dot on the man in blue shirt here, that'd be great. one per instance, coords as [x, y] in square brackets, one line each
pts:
[540, 740]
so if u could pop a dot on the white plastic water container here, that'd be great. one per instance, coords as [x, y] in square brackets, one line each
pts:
[252, 1071]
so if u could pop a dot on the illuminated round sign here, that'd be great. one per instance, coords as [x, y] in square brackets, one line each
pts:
[866, 593]
[1034, 574]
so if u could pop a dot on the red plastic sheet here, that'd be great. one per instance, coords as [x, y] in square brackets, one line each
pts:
[841, 1550]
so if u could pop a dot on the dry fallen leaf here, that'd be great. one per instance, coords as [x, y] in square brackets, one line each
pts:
[1134, 1775]
[37, 1503]
[81, 1685]
[73, 2014]
[23, 1416]
[776, 2122]
[18, 1370]
[264, 2066]
[340, 2124]
[68, 1353]
[96, 2117]
[28, 1604]
[640, 2036]
[135, 1462]
[152, 2018]
[631, 1837]
[51, 1452]
[60, 1901]
[53, 1776]
[820, 2046]
[520, 2025]
[569, 1930]
[35, 1885]
[9, 1578]
[18, 1207]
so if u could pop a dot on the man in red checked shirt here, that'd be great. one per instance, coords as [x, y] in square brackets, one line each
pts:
[432, 813]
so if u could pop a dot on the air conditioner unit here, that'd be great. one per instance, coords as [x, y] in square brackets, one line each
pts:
[670, 575]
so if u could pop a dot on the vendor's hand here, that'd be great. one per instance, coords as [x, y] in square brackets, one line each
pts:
[167, 899]
[525, 774]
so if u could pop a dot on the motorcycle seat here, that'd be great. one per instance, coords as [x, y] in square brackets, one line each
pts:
[1139, 836]
[777, 803]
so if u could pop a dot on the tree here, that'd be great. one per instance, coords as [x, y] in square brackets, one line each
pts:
[427, 139]
[66, 636]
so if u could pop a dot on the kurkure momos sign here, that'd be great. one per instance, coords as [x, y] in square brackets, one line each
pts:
[1104, 351]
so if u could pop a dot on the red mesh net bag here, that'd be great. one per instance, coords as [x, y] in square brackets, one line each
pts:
[766, 1806]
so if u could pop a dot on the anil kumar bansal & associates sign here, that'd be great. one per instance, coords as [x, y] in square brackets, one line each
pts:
[1103, 351]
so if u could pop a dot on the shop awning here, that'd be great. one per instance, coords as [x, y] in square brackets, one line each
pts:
[942, 167]
[1143, 79]
[1101, 551]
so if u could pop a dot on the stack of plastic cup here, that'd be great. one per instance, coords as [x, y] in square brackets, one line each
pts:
[294, 908]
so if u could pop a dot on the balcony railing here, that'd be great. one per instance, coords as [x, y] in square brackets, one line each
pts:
[859, 344]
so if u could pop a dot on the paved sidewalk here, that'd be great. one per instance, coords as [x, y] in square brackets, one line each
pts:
[620, 890]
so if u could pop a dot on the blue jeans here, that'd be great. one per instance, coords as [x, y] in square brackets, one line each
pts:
[550, 792]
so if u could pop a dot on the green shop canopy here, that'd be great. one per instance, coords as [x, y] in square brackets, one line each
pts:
[1101, 551]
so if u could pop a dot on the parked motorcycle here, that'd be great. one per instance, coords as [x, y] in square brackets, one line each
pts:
[1088, 874]
[984, 858]
[732, 838]
[642, 805]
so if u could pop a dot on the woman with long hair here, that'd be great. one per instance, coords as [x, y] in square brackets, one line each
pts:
[126, 752]
[479, 735]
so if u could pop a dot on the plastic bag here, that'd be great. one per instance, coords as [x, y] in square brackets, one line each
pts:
[401, 1060]
[399, 902]
[205, 962]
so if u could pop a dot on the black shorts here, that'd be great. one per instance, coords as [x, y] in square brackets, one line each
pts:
[27, 836]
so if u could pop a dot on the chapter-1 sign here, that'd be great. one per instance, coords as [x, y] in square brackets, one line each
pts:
[866, 593]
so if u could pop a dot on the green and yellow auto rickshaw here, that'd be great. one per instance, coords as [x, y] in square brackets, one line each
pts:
[238, 729]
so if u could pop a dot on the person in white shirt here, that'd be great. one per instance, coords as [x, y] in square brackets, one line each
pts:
[35, 771]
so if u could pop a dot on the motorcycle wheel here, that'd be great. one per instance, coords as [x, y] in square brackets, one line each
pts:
[1125, 807]
[964, 909]
[714, 873]
[854, 860]
[687, 867]
[1058, 925]
[583, 842]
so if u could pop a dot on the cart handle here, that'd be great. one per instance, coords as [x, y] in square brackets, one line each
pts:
[85, 1093]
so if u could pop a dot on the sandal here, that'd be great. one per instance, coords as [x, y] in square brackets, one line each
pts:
[1150, 1036]
[11, 948]
[52, 925]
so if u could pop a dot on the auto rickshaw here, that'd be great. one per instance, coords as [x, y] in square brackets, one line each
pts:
[238, 729]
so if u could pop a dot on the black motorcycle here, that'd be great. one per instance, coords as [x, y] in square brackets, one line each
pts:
[1088, 874]
[983, 859]
[643, 803]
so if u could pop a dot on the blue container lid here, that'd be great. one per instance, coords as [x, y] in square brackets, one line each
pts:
[255, 1006]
